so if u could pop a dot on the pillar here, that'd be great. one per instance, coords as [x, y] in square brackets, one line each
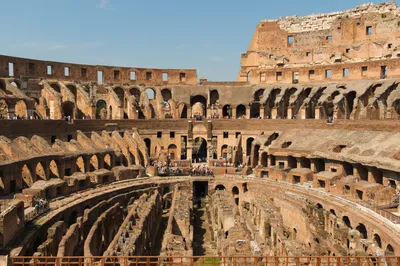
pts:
[274, 113]
[262, 111]
[289, 113]
[303, 113]
[233, 112]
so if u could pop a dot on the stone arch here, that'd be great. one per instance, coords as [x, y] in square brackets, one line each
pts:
[347, 222]
[40, 172]
[147, 141]
[110, 112]
[199, 104]
[270, 103]
[305, 162]
[235, 194]
[120, 94]
[332, 211]
[349, 98]
[20, 109]
[172, 152]
[363, 230]
[264, 159]
[389, 250]
[227, 111]
[182, 109]
[255, 155]
[377, 240]
[72, 88]
[214, 97]
[166, 94]
[240, 111]
[292, 162]
[55, 87]
[107, 162]
[199, 149]
[249, 143]
[94, 163]
[68, 108]
[258, 95]
[80, 164]
[26, 175]
[54, 173]
[135, 92]
[101, 109]
[220, 187]
[224, 151]
[151, 94]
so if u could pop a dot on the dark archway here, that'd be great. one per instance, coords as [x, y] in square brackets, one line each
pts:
[220, 187]
[214, 97]
[249, 142]
[254, 161]
[135, 92]
[227, 111]
[166, 94]
[101, 109]
[255, 110]
[199, 149]
[347, 222]
[363, 230]
[264, 159]
[120, 94]
[56, 87]
[240, 111]
[68, 108]
[147, 141]
[199, 104]
[349, 98]
[172, 152]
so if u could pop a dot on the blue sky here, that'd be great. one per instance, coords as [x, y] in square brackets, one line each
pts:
[208, 35]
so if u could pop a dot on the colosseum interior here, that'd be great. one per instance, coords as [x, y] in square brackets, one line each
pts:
[294, 163]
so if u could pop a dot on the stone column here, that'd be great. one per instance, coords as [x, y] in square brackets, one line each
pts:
[274, 112]
[289, 113]
[262, 111]
[233, 112]
[303, 113]
[317, 113]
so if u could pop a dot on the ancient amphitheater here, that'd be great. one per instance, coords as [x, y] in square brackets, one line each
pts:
[295, 163]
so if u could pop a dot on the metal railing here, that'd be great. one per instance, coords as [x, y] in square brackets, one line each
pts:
[206, 261]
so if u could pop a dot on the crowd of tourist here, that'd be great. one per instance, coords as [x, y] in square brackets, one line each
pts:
[201, 170]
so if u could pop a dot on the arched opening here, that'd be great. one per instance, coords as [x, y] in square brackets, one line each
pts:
[396, 106]
[198, 104]
[147, 141]
[363, 230]
[21, 110]
[166, 94]
[249, 142]
[107, 162]
[54, 170]
[389, 250]
[377, 240]
[220, 187]
[224, 151]
[319, 165]
[172, 152]
[26, 177]
[101, 109]
[348, 168]
[182, 110]
[240, 111]
[255, 110]
[151, 95]
[55, 87]
[305, 162]
[80, 164]
[227, 111]
[258, 95]
[94, 163]
[292, 162]
[120, 94]
[110, 113]
[264, 159]
[362, 172]
[346, 221]
[270, 104]
[254, 161]
[199, 149]
[40, 172]
[135, 92]
[349, 98]
[377, 175]
[332, 211]
[214, 97]
[235, 194]
[68, 109]
[72, 89]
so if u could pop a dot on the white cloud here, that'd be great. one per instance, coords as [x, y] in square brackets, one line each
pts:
[102, 4]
